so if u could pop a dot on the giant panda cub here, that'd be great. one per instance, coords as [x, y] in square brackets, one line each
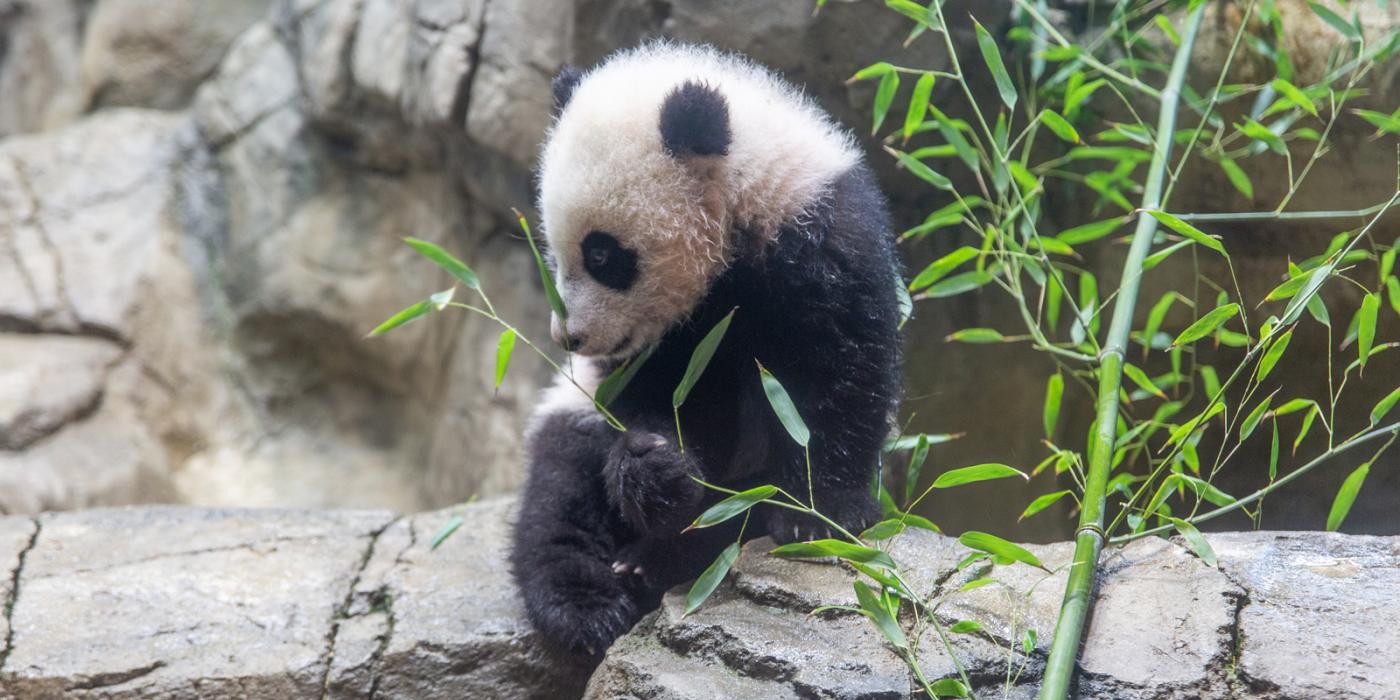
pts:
[677, 184]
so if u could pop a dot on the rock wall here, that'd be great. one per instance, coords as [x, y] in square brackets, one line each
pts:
[193, 603]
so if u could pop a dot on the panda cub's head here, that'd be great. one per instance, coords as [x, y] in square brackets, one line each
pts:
[663, 164]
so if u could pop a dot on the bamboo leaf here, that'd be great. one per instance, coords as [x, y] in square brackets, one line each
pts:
[1237, 177]
[992, 55]
[884, 96]
[874, 70]
[1307, 425]
[1334, 21]
[906, 303]
[504, 348]
[918, 104]
[937, 269]
[881, 616]
[1384, 122]
[1273, 453]
[450, 527]
[1057, 124]
[446, 261]
[1188, 231]
[1091, 232]
[732, 506]
[1384, 405]
[916, 466]
[1195, 540]
[977, 336]
[998, 547]
[700, 359]
[402, 317]
[551, 293]
[782, 405]
[923, 172]
[980, 472]
[1293, 406]
[1207, 324]
[1272, 356]
[949, 688]
[710, 579]
[1294, 95]
[1261, 133]
[1050, 415]
[1141, 379]
[1041, 503]
[1252, 420]
[883, 530]
[1346, 496]
[957, 284]
[1366, 327]
[965, 627]
[834, 548]
[612, 386]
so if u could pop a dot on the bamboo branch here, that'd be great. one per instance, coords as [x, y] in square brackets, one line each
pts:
[1357, 441]
[1089, 540]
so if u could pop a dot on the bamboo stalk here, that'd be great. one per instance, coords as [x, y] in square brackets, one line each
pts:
[1089, 540]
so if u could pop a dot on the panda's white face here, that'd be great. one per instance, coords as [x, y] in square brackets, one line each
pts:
[637, 228]
[658, 156]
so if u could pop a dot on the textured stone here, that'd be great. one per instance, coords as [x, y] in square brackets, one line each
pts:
[455, 624]
[186, 603]
[189, 603]
[1164, 625]
[47, 382]
[155, 53]
[1319, 619]
[40, 74]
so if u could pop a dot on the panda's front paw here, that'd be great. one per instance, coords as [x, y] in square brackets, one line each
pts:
[649, 482]
[853, 509]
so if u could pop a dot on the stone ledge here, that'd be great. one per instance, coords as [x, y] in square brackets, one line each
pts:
[194, 603]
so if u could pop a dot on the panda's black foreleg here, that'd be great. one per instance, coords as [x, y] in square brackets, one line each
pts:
[847, 415]
[567, 536]
[651, 483]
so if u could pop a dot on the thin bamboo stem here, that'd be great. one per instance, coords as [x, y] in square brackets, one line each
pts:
[1089, 540]
[1357, 441]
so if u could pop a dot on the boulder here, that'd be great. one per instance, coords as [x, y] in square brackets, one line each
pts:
[179, 602]
[1164, 625]
[188, 603]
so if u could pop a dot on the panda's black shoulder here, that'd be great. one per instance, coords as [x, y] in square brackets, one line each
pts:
[848, 225]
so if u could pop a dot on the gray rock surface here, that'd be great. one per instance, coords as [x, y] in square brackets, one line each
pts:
[187, 603]
[184, 603]
[1165, 625]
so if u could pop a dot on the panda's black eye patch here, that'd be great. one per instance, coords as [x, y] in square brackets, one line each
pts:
[608, 262]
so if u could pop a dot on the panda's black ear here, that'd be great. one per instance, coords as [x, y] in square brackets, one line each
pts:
[695, 121]
[563, 85]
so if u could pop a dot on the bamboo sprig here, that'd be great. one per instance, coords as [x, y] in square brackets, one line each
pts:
[1089, 540]
[1365, 437]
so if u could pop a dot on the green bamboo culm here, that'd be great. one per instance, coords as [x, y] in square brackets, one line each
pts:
[1089, 538]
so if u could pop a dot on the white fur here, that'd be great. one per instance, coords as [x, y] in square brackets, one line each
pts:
[603, 167]
[563, 397]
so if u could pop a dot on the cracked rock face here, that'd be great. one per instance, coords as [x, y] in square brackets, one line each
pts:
[185, 603]
[1164, 626]
[190, 603]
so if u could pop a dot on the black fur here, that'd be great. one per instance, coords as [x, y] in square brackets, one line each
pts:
[818, 309]
[564, 85]
[695, 121]
[608, 262]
